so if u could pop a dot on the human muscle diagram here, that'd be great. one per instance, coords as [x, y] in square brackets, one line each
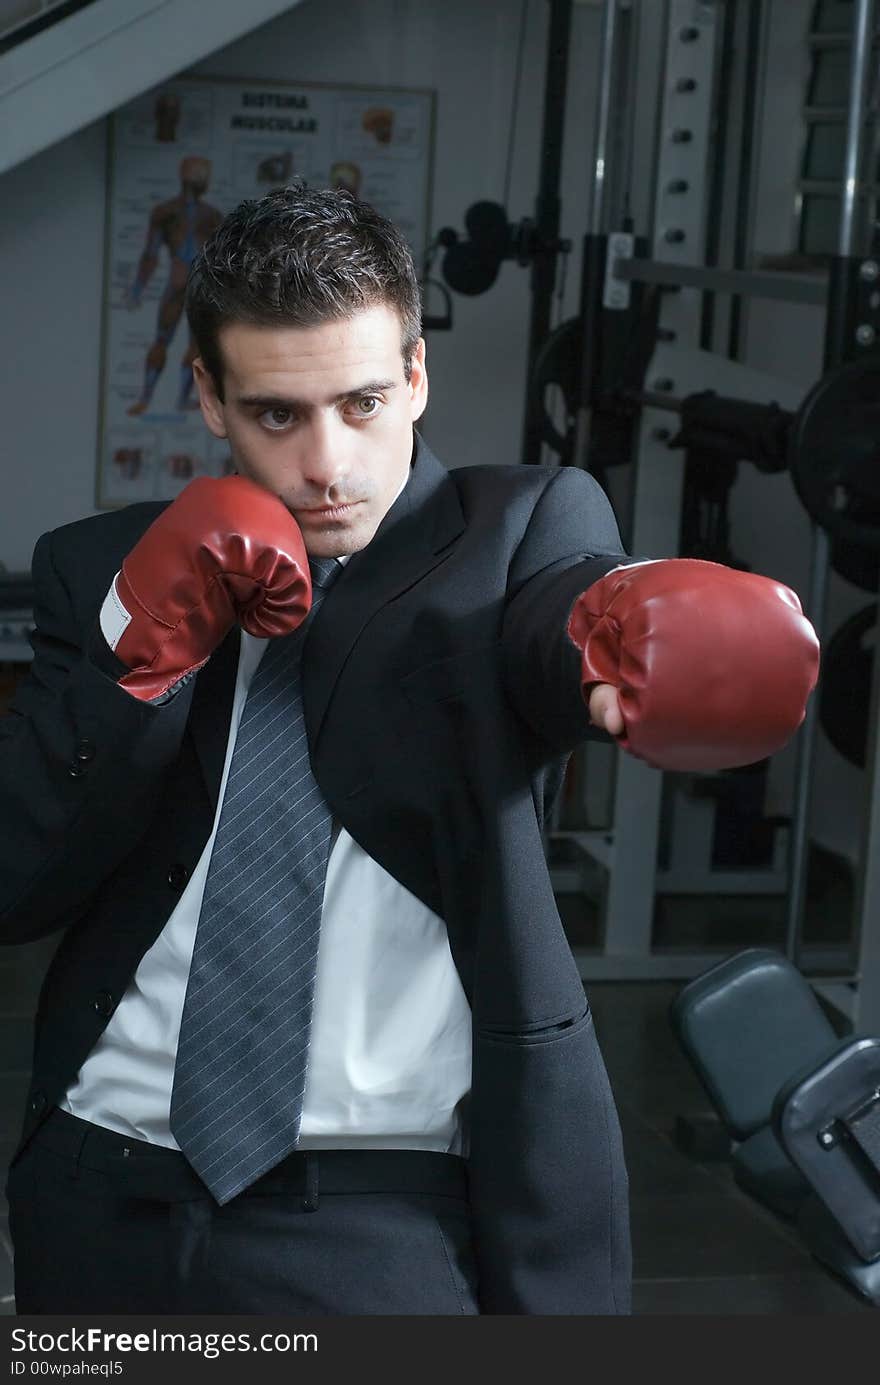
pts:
[181, 156]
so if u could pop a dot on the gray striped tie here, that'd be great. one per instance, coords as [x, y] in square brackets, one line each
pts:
[236, 1103]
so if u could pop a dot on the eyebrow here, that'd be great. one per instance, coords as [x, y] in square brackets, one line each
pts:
[279, 401]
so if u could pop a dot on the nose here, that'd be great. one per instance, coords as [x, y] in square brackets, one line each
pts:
[324, 463]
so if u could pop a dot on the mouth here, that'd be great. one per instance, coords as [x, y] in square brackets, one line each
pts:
[323, 513]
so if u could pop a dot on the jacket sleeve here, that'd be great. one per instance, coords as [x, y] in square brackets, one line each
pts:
[81, 766]
[571, 541]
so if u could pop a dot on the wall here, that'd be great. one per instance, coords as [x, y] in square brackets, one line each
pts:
[51, 233]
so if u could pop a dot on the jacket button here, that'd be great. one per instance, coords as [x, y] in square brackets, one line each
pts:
[76, 770]
[39, 1101]
[85, 750]
[104, 1004]
[178, 876]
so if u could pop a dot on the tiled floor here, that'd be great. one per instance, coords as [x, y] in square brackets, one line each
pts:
[700, 1244]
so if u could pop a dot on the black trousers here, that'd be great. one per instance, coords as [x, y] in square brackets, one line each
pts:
[102, 1223]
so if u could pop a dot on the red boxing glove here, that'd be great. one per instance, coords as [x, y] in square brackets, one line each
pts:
[713, 666]
[223, 551]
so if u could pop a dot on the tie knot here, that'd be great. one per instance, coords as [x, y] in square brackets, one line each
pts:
[324, 571]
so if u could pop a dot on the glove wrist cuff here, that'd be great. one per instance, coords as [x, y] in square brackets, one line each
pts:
[113, 619]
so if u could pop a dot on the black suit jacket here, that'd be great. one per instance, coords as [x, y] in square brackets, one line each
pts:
[442, 696]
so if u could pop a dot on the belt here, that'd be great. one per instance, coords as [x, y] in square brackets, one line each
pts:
[303, 1173]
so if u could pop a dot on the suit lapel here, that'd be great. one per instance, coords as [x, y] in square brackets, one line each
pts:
[412, 539]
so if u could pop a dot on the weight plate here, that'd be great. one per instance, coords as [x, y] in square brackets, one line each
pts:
[845, 685]
[835, 453]
[556, 363]
[857, 565]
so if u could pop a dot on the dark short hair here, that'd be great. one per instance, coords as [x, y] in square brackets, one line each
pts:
[299, 257]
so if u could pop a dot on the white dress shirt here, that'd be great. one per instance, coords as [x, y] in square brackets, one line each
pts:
[390, 1050]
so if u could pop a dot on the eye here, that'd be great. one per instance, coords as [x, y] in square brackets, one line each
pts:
[276, 419]
[367, 405]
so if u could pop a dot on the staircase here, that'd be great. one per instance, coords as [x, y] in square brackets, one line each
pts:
[68, 63]
[825, 114]
[23, 19]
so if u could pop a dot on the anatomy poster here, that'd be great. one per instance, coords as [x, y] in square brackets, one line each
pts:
[180, 157]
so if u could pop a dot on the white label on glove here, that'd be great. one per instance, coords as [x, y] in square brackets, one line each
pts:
[114, 618]
[636, 562]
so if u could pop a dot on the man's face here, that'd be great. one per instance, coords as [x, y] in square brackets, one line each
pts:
[322, 417]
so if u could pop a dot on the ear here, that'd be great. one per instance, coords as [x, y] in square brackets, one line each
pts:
[418, 381]
[211, 406]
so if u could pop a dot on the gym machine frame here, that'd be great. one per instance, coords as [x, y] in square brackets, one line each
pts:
[628, 848]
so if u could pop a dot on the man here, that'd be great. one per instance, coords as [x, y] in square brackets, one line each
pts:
[268, 1082]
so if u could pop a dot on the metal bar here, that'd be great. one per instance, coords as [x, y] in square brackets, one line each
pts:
[868, 882]
[830, 187]
[594, 241]
[723, 115]
[603, 110]
[543, 273]
[740, 309]
[831, 115]
[839, 994]
[652, 399]
[689, 37]
[630, 32]
[871, 154]
[854, 131]
[661, 97]
[803, 783]
[799, 839]
[792, 288]
[838, 40]
[868, 887]
[757, 41]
